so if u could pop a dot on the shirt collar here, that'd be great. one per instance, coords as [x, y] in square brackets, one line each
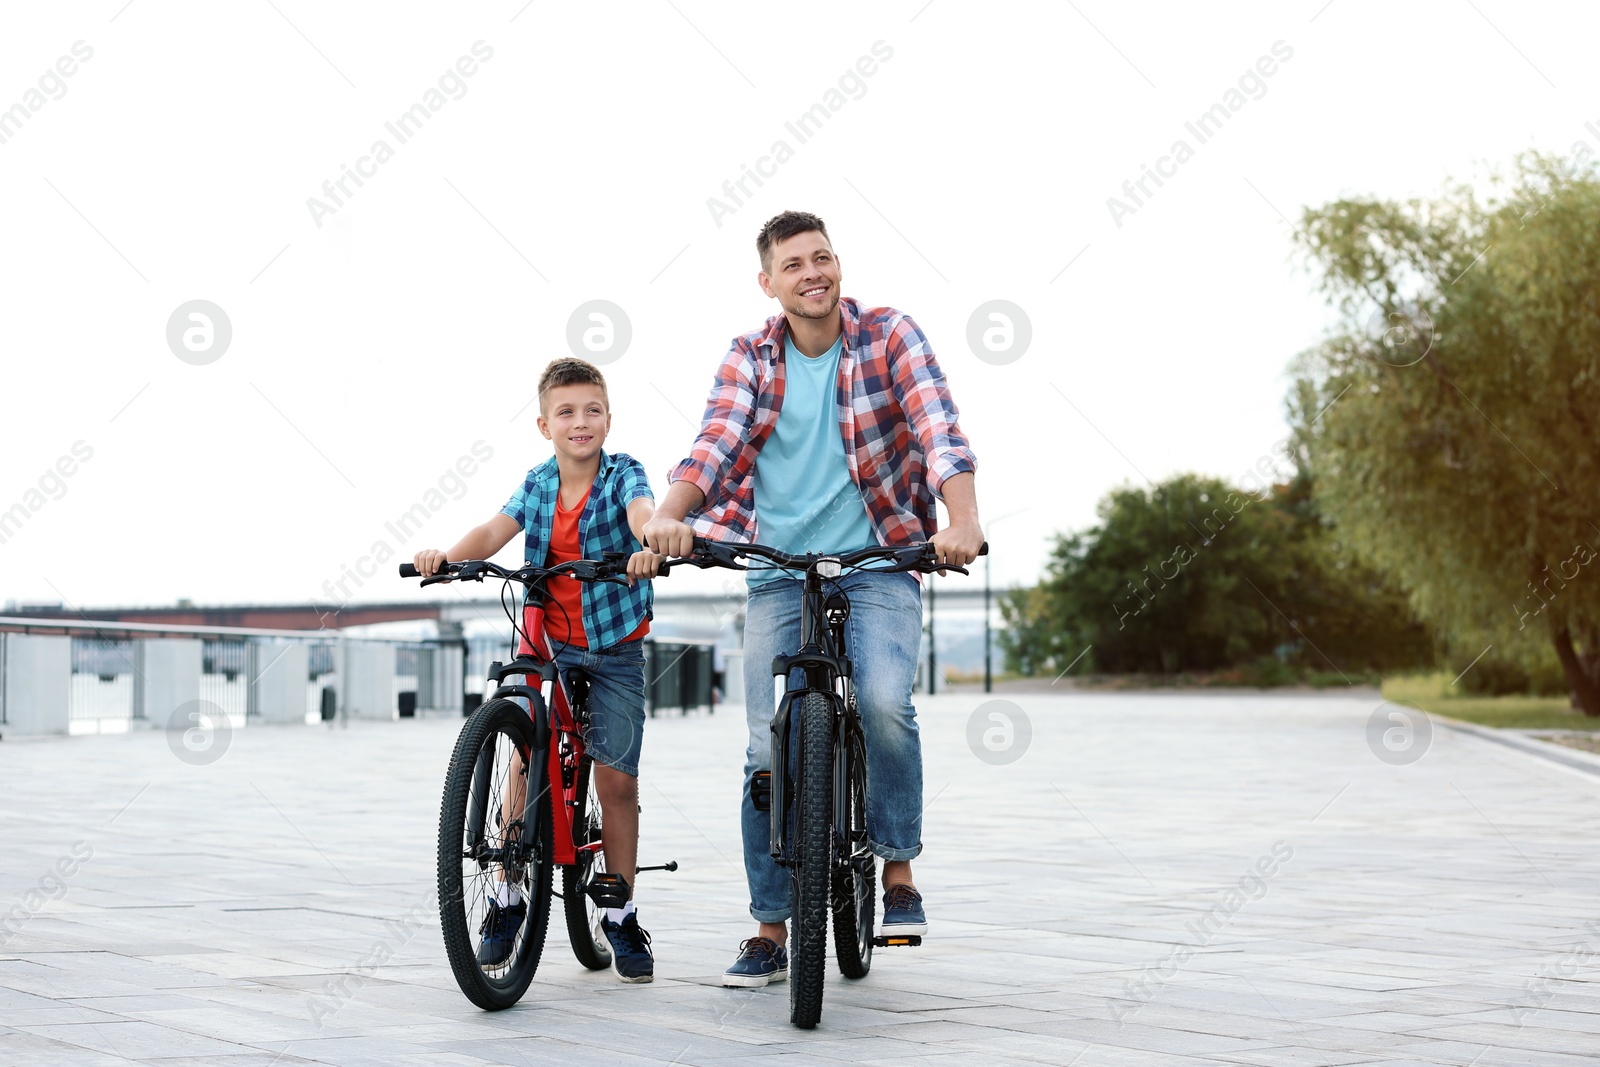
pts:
[550, 470]
[778, 328]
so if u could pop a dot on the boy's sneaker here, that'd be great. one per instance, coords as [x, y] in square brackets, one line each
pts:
[902, 912]
[499, 932]
[630, 949]
[761, 960]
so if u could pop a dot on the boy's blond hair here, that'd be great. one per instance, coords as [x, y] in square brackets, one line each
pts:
[570, 371]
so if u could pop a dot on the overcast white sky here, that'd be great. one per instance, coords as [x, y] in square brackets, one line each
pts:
[973, 164]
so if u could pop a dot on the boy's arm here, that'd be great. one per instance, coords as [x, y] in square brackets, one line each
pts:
[480, 542]
[643, 564]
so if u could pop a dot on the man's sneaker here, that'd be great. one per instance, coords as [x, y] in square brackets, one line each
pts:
[499, 932]
[902, 912]
[630, 949]
[761, 960]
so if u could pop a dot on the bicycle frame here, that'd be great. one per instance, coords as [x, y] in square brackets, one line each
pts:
[551, 706]
[823, 658]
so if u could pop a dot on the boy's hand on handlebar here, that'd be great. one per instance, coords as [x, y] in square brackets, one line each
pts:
[644, 565]
[669, 537]
[428, 561]
[958, 545]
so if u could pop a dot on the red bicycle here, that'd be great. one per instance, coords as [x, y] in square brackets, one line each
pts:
[518, 802]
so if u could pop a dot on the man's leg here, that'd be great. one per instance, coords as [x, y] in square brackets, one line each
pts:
[885, 636]
[771, 628]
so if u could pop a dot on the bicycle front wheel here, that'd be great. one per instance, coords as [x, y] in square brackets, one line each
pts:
[494, 872]
[813, 859]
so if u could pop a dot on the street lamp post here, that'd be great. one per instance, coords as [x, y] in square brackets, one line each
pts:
[988, 675]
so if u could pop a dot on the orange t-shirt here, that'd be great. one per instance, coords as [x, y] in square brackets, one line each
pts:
[566, 627]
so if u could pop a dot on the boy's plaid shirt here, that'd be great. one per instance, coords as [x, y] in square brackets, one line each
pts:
[896, 418]
[610, 612]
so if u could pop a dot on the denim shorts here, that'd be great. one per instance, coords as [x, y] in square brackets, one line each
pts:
[616, 701]
[615, 732]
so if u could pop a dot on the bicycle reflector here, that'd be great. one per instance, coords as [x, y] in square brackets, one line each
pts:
[828, 568]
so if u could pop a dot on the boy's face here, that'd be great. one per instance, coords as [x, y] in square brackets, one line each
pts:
[803, 274]
[576, 420]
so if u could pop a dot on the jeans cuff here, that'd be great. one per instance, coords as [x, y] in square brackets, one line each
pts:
[761, 916]
[887, 853]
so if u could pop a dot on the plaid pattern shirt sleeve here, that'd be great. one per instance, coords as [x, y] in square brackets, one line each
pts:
[724, 452]
[922, 393]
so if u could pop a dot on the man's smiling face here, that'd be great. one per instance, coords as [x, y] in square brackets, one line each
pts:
[803, 274]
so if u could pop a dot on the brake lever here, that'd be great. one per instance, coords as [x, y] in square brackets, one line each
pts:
[441, 577]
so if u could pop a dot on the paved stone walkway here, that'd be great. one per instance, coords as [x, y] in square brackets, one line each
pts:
[1159, 879]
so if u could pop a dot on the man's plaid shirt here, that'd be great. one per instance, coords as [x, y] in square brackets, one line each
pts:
[896, 418]
[610, 612]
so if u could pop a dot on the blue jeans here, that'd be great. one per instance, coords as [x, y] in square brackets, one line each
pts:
[883, 635]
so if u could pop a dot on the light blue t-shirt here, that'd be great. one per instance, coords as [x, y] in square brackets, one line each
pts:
[805, 500]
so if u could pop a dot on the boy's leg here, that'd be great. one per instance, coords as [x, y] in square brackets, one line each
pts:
[619, 814]
[612, 740]
[885, 637]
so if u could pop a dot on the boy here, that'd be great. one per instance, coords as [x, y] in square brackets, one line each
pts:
[577, 505]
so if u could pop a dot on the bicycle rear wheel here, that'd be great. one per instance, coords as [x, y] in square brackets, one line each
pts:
[855, 901]
[583, 918]
[480, 837]
[813, 858]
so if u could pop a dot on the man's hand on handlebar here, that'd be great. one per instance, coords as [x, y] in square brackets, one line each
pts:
[428, 561]
[668, 536]
[958, 544]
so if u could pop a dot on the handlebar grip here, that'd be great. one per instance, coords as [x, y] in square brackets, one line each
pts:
[984, 551]
[408, 571]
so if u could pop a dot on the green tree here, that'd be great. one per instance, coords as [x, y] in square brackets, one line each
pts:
[1195, 574]
[1453, 418]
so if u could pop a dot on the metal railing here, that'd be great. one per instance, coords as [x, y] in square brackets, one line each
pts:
[106, 677]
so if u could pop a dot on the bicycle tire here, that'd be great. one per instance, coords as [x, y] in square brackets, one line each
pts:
[813, 860]
[583, 923]
[481, 766]
[855, 901]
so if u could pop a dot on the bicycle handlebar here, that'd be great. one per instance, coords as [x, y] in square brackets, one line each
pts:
[608, 569]
[918, 557]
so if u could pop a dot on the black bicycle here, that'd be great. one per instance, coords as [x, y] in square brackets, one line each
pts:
[816, 792]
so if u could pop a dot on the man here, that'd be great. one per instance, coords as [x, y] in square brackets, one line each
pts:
[827, 429]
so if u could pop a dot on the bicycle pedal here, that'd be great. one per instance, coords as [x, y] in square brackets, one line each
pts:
[761, 790]
[609, 891]
[902, 941]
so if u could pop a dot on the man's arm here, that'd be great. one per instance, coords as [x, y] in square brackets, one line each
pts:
[480, 542]
[924, 396]
[959, 542]
[666, 532]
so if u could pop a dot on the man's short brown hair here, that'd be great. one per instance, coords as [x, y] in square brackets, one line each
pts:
[570, 371]
[783, 226]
